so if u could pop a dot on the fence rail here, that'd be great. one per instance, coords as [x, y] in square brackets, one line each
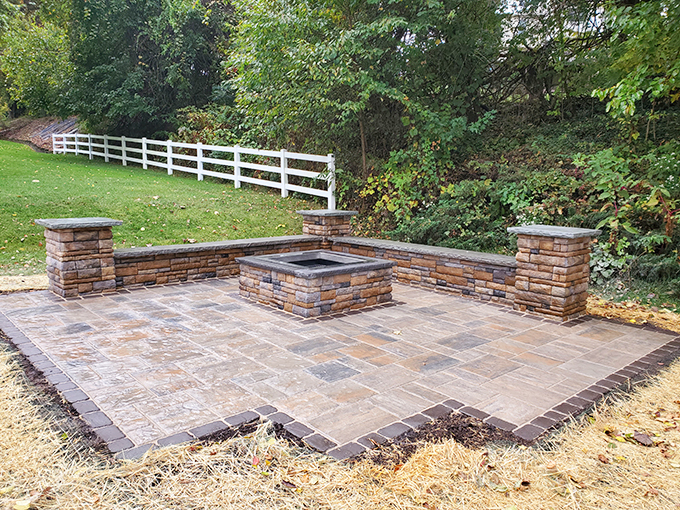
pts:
[205, 160]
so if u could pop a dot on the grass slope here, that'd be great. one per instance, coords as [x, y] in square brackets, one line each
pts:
[155, 208]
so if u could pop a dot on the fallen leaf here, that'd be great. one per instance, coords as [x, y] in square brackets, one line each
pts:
[652, 492]
[643, 439]
[603, 459]
[256, 460]
[23, 504]
[288, 484]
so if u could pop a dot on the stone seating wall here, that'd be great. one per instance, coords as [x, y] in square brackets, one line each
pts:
[549, 274]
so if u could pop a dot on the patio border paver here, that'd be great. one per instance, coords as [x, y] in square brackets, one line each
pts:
[124, 448]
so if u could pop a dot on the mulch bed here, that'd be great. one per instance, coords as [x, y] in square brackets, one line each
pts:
[466, 430]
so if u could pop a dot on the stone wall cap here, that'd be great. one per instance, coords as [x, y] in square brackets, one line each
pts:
[285, 263]
[553, 231]
[69, 223]
[327, 212]
[436, 251]
[170, 249]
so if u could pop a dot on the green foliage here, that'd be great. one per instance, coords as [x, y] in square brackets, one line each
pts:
[474, 214]
[646, 52]
[616, 186]
[214, 124]
[386, 86]
[139, 62]
[609, 260]
[641, 202]
[34, 60]
[7, 11]
[554, 54]
[470, 215]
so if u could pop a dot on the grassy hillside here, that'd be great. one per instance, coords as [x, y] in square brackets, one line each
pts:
[155, 208]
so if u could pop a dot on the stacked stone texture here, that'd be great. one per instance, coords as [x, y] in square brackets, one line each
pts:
[552, 275]
[160, 266]
[80, 260]
[482, 280]
[326, 224]
[316, 296]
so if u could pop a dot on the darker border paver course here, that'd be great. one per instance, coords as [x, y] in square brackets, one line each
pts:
[119, 444]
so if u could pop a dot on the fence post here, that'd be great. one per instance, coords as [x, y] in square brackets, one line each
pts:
[76, 139]
[106, 148]
[123, 152]
[169, 157]
[144, 155]
[237, 167]
[199, 160]
[89, 145]
[284, 174]
[54, 147]
[331, 182]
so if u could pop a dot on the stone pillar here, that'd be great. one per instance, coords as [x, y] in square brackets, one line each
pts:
[79, 255]
[552, 269]
[327, 224]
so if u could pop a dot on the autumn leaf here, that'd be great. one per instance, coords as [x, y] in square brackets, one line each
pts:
[603, 459]
[643, 439]
[288, 484]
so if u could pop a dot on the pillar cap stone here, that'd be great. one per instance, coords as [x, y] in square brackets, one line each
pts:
[327, 212]
[553, 231]
[70, 223]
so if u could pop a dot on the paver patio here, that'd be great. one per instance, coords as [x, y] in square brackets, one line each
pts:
[163, 360]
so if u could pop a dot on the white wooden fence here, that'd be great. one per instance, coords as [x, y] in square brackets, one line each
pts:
[146, 153]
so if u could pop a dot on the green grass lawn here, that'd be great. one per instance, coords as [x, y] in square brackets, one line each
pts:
[155, 208]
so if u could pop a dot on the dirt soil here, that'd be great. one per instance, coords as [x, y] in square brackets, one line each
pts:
[27, 130]
[465, 430]
[634, 313]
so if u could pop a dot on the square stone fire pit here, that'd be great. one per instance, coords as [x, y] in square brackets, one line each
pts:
[316, 282]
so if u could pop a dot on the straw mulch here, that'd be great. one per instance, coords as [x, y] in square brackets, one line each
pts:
[23, 283]
[595, 464]
[634, 313]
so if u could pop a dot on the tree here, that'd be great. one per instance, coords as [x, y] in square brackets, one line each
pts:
[139, 61]
[552, 53]
[384, 84]
[645, 47]
[35, 62]
[7, 11]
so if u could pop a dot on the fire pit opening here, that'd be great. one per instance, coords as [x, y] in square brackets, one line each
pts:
[316, 282]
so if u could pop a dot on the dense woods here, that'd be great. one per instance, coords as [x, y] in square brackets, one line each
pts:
[450, 119]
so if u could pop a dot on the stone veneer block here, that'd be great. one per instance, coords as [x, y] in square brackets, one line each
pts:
[484, 276]
[156, 265]
[79, 255]
[553, 269]
[316, 282]
[326, 223]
